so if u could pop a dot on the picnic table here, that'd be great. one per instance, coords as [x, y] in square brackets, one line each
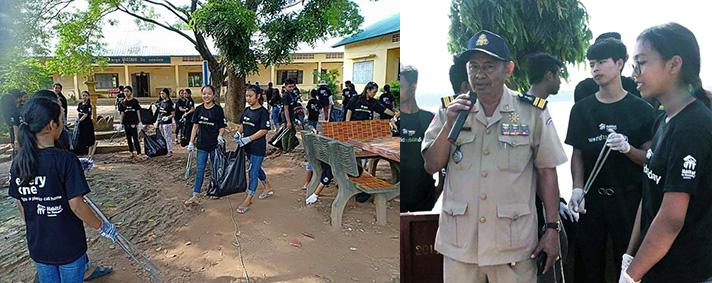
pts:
[386, 147]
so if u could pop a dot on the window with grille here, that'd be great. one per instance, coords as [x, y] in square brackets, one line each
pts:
[283, 75]
[302, 56]
[395, 37]
[195, 79]
[363, 72]
[334, 55]
[192, 59]
[106, 81]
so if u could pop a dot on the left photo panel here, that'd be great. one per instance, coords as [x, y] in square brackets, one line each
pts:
[200, 141]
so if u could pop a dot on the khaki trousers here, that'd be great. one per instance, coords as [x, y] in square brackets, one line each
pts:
[455, 272]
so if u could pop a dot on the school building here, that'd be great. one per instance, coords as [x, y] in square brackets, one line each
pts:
[152, 60]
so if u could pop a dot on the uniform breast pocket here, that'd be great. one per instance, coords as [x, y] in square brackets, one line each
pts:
[515, 225]
[454, 223]
[466, 141]
[515, 154]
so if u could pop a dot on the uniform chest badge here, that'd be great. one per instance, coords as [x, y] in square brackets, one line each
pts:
[514, 128]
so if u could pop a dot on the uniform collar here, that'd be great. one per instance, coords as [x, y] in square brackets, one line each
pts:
[506, 104]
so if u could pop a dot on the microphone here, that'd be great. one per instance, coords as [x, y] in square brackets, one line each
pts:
[460, 120]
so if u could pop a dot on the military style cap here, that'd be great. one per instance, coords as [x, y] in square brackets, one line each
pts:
[487, 42]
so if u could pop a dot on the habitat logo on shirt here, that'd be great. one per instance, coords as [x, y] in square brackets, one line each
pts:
[688, 167]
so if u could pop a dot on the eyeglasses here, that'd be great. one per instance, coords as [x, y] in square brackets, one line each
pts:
[637, 65]
[486, 68]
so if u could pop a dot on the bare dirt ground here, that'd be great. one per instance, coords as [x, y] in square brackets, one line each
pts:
[198, 244]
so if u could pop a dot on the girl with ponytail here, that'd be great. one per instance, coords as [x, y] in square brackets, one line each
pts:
[49, 186]
[670, 241]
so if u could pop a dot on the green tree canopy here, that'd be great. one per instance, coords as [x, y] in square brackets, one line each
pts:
[558, 27]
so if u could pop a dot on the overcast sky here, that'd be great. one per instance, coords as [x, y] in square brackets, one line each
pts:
[425, 31]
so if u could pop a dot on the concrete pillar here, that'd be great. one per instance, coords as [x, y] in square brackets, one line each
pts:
[126, 73]
[177, 80]
[272, 75]
[92, 94]
[76, 86]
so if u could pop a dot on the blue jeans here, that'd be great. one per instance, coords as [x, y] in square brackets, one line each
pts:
[202, 161]
[72, 272]
[275, 115]
[255, 172]
[311, 124]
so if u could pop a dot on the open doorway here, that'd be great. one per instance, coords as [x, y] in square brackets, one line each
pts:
[141, 84]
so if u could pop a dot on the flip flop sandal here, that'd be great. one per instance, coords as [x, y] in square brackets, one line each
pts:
[266, 194]
[242, 209]
[99, 271]
[214, 197]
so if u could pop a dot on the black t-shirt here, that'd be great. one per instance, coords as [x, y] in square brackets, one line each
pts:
[313, 107]
[323, 94]
[84, 108]
[55, 235]
[268, 93]
[181, 102]
[386, 100]
[210, 122]
[165, 107]
[252, 121]
[129, 108]
[419, 185]
[290, 100]
[587, 132]
[363, 108]
[120, 98]
[347, 94]
[680, 160]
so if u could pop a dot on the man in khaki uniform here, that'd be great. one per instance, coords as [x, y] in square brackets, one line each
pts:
[508, 145]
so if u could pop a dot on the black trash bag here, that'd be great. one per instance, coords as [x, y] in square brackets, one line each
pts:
[74, 137]
[276, 139]
[229, 174]
[155, 144]
[148, 116]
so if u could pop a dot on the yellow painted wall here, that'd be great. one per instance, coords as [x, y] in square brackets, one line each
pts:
[376, 50]
[263, 77]
[392, 65]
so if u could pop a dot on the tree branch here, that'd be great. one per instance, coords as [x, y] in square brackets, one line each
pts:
[177, 9]
[146, 19]
[296, 2]
[169, 9]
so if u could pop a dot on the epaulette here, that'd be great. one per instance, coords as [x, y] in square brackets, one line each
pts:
[445, 101]
[533, 101]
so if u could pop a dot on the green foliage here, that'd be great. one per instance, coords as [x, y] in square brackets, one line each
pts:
[80, 37]
[252, 32]
[330, 77]
[143, 25]
[231, 24]
[558, 27]
[27, 74]
[395, 90]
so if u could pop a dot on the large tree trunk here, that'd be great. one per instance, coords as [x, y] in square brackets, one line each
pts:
[235, 98]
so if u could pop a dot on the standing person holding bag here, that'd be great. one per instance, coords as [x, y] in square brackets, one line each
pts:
[208, 128]
[131, 120]
[671, 239]
[165, 119]
[49, 186]
[255, 124]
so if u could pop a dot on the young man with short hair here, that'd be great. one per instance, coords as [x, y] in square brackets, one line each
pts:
[612, 119]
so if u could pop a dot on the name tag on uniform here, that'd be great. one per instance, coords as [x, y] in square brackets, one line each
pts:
[514, 129]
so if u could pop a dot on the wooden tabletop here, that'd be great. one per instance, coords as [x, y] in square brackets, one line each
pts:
[388, 147]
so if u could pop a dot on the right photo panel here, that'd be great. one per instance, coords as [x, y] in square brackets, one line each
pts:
[555, 141]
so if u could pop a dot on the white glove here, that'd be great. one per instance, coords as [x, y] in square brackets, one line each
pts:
[627, 259]
[618, 142]
[237, 136]
[139, 127]
[567, 214]
[312, 199]
[577, 201]
[221, 140]
[166, 119]
[244, 141]
[625, 278]
[190, 147]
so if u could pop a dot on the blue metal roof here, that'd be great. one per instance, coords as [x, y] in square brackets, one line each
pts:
[383, 27]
